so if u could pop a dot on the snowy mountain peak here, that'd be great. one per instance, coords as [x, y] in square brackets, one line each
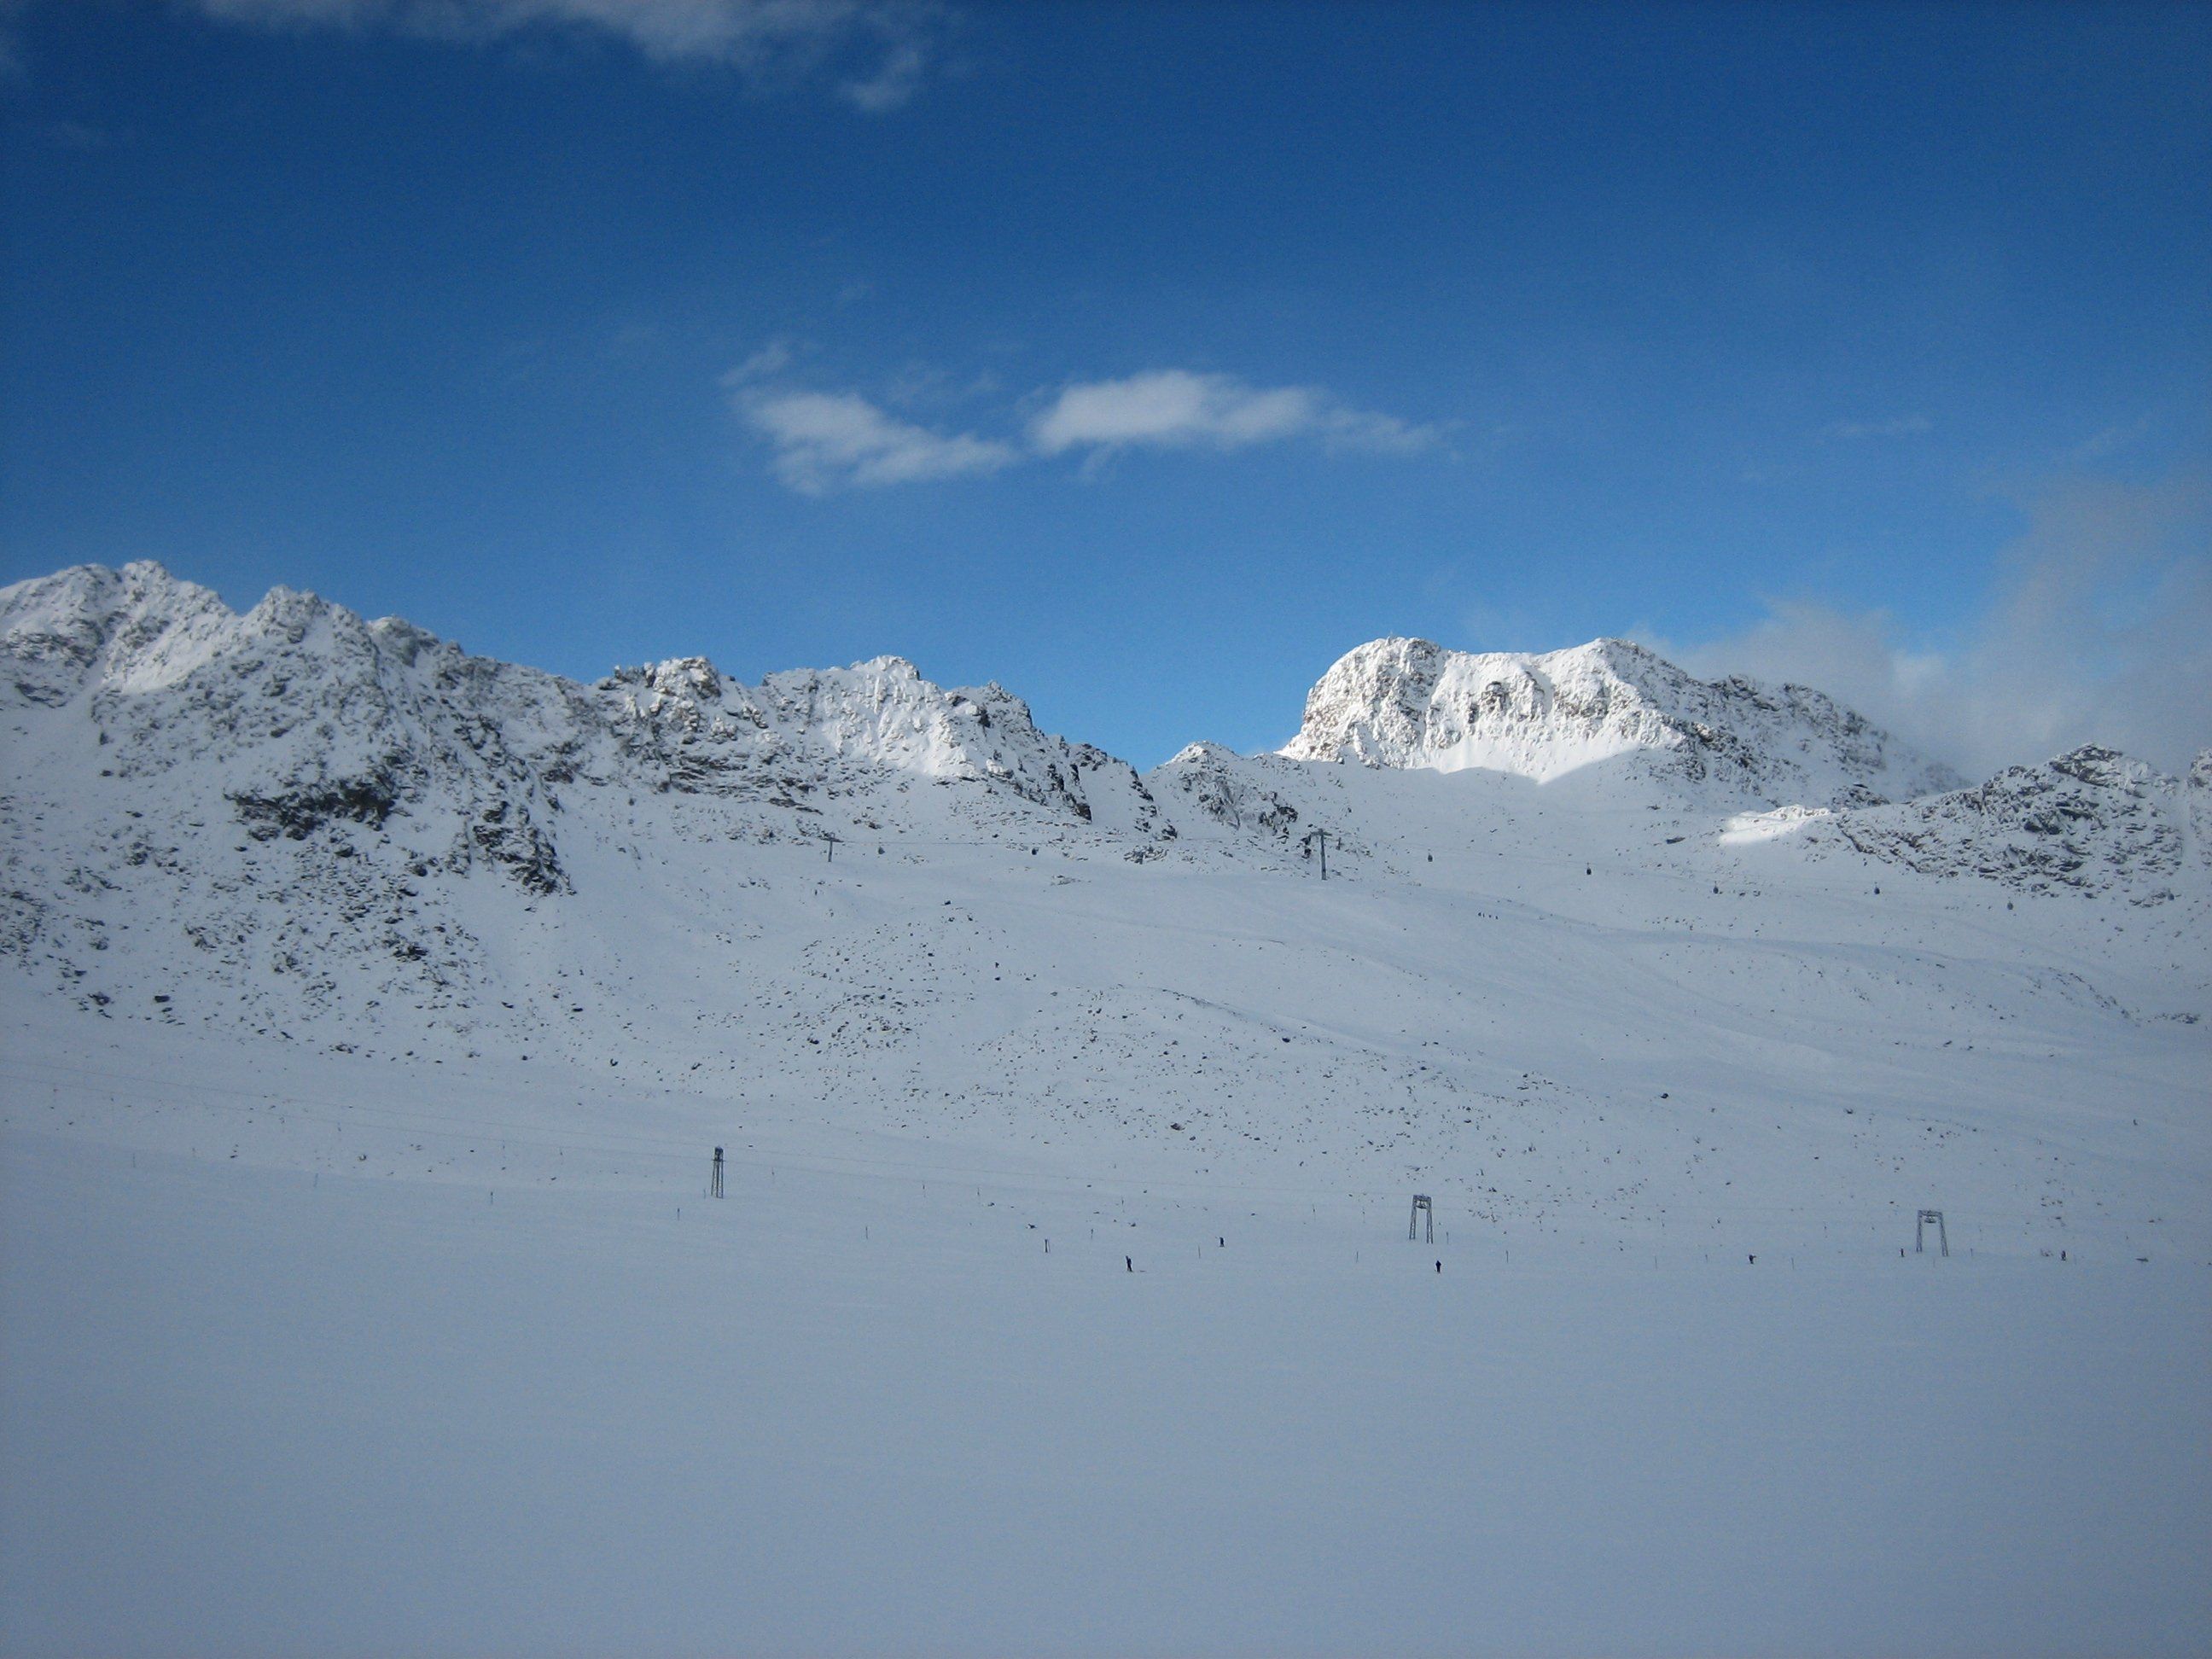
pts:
[1411, 702]
[300, 697]
[136, 621]
[881, 717]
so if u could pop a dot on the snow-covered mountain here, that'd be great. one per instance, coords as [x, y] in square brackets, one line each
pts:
[1406, 702]
[310, 711]
[838, 732]
[288, 779]
[2091, 820]
[1587, 919]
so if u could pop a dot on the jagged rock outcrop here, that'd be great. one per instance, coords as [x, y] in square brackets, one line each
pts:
[2091, 820]
[314, 715]
[286, 788]
[837, 730]
[302, 715]
[2197, 790]
[1405, 702]
[1224, 788]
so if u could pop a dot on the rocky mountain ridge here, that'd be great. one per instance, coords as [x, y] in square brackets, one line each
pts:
[1410, 702]
[314, 712]
[328, 809]
[332, 812]
[2091, 820]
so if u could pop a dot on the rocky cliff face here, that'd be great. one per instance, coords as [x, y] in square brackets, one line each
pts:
[1214, 784]
[831, 732]
[1401, 702]
[308, 712]
[344, 801]
[2090, 821]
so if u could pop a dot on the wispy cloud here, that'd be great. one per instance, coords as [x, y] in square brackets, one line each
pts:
[2098, 630]
[1896, 426]
[888, 43]
[1176, 409]
[772, 359]
[893, 82]
[824, 441]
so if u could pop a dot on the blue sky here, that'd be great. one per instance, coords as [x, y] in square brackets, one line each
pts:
[1143, 358]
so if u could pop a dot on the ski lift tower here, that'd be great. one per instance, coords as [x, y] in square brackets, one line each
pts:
[1319, 838]
[1422, 1208]
[1931, 1218]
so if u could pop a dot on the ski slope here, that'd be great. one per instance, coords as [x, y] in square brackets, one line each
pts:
[370, 1012]
[859, 1406]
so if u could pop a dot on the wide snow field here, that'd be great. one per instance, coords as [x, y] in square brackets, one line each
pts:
[858, 1406]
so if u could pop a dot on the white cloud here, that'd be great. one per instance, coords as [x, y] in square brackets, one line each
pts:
[1897, 426]
[1365, 430]
[825, 441]
[2099, 630]
[1171, 407]
[1174, 408]
[773, 358]
[755, 36]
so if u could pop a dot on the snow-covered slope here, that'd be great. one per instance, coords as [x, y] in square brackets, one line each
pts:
[1403, 703]
[369, 1012]
[1627, 964]
[300, 790]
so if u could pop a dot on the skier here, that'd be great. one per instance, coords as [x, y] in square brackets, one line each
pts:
[1440, 1266]
[1127, 1265]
